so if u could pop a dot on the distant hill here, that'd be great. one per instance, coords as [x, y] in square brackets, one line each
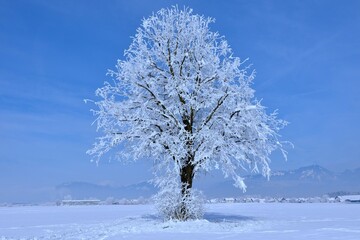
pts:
[303, 182]
[83, 190]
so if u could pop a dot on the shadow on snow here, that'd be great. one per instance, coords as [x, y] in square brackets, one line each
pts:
[211, 217]
[218, 217]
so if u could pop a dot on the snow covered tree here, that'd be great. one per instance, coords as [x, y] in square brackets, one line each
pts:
[180, 97]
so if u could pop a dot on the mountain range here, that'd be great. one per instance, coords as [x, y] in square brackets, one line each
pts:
[303, 182]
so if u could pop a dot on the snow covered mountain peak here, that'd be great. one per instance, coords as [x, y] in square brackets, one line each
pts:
[315, 172]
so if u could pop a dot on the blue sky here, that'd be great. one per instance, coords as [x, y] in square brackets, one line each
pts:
[54, 54]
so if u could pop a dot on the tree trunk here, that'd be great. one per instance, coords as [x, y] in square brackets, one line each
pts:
[187, 171]
[186, 176]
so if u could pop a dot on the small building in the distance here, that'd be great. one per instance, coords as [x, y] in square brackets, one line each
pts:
[348, 198]
[79, 202]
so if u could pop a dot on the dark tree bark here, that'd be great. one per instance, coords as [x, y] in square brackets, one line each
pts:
[187, 171]
[186, 176]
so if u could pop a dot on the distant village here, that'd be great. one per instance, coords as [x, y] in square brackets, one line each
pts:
[323, 199]
[351, 199]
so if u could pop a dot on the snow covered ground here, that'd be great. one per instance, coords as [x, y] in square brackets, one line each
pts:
[222, 221]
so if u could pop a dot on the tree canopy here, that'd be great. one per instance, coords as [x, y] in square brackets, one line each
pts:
[181, 98]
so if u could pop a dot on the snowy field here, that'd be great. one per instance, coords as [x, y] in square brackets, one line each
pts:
[222, 221]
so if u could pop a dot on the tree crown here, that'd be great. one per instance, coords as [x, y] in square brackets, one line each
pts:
[182, 98]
